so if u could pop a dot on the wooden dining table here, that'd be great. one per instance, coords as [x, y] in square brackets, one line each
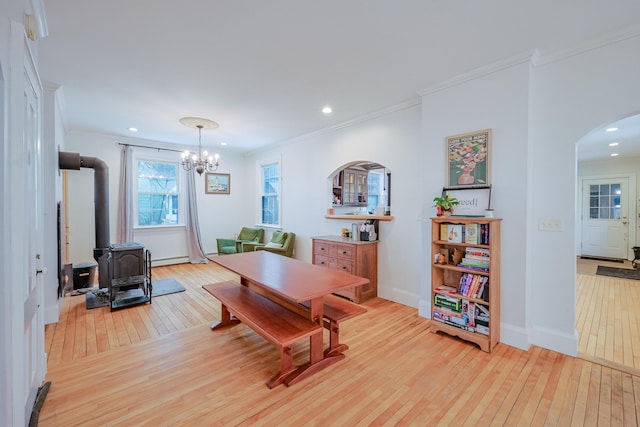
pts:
[292, 283]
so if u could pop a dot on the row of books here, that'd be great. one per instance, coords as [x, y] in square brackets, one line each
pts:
[474, 286]
[476, 259]
[472, 233]
[463, 314]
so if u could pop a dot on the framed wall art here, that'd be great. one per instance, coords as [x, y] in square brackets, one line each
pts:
[468, 159]
[217, 183]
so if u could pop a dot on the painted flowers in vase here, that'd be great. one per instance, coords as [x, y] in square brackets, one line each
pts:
[465, 156]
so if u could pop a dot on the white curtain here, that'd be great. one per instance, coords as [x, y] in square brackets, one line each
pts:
[194, 243]
[125, 197]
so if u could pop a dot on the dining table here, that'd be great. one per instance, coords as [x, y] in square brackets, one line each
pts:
[298, 286]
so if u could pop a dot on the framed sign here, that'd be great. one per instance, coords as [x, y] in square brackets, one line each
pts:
[468, 159]
[217, 183]
[473, 200]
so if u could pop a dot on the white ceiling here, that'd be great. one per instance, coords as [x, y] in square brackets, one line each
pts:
[264, 69]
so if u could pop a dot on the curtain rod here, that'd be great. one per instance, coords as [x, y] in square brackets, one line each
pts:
[151, 148]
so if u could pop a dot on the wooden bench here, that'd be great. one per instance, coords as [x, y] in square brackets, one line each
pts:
[336, 310]
[275, 323]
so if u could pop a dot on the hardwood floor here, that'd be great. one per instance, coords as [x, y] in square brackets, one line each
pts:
[160, 364]
[607, 317]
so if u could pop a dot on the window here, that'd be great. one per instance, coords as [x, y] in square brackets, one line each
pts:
[604, 201]
[374, 191]
[270, 193]
[157, 195]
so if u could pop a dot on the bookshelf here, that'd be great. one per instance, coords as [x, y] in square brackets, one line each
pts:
[465, 279]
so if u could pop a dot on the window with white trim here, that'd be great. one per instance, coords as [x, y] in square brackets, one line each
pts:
[270, 197]
[157, 193]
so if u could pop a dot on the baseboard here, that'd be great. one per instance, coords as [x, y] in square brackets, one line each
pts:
[52, 312]
[554, 340]
[514, 336]
[424, 308]
[397, 295]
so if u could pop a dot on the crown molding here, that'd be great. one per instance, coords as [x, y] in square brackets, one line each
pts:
[479, 72]
[40, 18]
[608, 39]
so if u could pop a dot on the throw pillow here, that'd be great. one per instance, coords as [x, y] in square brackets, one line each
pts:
[273, 245]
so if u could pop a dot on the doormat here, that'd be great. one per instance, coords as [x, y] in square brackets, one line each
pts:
[97, 298]
[623, 273]
[597, 258]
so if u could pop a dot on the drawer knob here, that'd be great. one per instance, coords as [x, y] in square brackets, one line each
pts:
[344, 267]
[344, 252]
[322, 263]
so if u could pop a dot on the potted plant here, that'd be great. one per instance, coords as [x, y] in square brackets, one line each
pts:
[445, 204]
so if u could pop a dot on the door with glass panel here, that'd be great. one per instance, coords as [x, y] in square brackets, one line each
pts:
[605, 218]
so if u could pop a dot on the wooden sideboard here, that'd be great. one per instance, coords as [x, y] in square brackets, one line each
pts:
[351, 256]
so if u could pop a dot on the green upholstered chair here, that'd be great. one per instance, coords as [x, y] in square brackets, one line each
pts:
[233, 246]
[281, 243]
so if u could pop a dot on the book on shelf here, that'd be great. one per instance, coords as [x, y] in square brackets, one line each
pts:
[471, 233]
[455, 233]
[444, 232]
[485, 293]
[476, 259]
[484, 234]
[477, 252]
[446, 289]
[466, 263]
[473, 267]
[445, 301]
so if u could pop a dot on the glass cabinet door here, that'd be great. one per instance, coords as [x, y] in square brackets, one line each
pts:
[361, 187]
[349, 187]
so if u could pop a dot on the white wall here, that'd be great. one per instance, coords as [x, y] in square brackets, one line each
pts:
[498, 101]
[391, 140]
[53, 138]
[570, 97]
[219, 215]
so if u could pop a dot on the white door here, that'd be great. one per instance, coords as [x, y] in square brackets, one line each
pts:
[27, 359]
[605, 218]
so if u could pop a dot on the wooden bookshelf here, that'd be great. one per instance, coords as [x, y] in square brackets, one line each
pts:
[461, 311]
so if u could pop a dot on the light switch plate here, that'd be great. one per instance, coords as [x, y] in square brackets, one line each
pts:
[550, 224]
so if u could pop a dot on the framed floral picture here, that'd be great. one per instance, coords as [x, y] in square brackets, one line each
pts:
[217, 183]
[468, 159]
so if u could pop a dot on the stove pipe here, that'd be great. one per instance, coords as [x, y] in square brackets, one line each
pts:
[100, 195]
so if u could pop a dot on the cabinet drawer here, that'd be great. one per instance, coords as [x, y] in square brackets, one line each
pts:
[321, 248]
[344, 265]
[323, 261]
[344, 251]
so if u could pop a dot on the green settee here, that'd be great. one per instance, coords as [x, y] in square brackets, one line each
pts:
[233, 246]
[281, 243]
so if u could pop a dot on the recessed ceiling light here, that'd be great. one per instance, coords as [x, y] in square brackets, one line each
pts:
[223, 143]
[614, 154]
[133, 129]
[327, 110]
[613, 144]
[611, 129]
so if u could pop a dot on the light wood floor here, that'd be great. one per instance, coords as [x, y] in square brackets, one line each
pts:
[607, 317]
[160, 364]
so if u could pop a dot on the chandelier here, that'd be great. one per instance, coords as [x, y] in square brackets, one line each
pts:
[200, 162]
